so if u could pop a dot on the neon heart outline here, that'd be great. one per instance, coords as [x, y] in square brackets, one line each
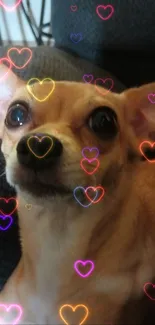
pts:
[143, 154]
[75, 6]
[9, 68]
[84, 263]
[84, 206]
[40, 139]
[19, 51]
[88, 82]
[73, 309]
[75, 34]
[150, 98]
[90, 149]
[7, 227]
[7, 200]
[9, 9]
[148, 283]
[99, 88]
[105, 7]
[95, 169]
[10, 306]
[92, 187]
[26, 206]
[40, 82]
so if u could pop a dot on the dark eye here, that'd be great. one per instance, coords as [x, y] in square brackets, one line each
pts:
[103, 121]
[18, 115]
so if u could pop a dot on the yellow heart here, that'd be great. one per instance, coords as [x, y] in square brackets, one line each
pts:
[30, 88]
[40, 139]
[73, 308]
[28, 206]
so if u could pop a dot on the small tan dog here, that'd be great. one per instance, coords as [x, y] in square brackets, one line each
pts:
[117, 234]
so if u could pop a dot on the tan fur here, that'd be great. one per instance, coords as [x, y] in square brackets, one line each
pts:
[118, 233]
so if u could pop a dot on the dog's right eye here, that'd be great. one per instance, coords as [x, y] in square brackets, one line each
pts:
[18, 115]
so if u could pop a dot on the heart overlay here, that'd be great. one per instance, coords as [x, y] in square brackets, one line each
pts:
[37, 139]
[65, 307]
[79, 263]
[10, 8]
[30, 88]
[90, 153]
[108, 83]
[5, 222]
[20, 52]
[151, 98]
[86, 165]
[102, 11]
[76, 38]
[8, 206]
[6, 309]
[147, 145]
[93, 194]
[88, 78]
[147, 287]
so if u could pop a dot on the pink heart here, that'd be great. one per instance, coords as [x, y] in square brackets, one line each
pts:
[84, 263]
[4, 72]
[104, 81]
[101, 8]
[8, 8]
[88, 78]
[151, 98]
[20, 52]
[7, 308]
[145, 289]
[73, 8]
[87, 151]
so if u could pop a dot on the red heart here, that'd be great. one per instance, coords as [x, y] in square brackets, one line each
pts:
[95, 189]
[100, 8]
[141, 150]
[7, 202]
[86, 168]
[24, 49]
[145, 289]
[104, 81]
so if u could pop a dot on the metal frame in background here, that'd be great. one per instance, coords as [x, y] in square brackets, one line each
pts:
[37, 31]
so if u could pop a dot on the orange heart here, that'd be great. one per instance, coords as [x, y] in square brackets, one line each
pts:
[74, 309]
[14, 49]
[39, 139]
[95, 189]
[30, 88]
[141, 150]
[91, 161]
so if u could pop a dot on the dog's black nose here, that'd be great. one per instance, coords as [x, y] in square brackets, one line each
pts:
[39, 150]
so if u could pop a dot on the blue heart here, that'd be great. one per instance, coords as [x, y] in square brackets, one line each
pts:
[76, 38]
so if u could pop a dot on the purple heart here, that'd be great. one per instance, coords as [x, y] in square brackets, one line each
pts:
[76, 38]
[9, 222]
[88, 78]
[84, 263]
[90, 150]
[152, 100]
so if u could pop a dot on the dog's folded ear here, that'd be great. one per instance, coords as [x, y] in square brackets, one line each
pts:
[9, 82]
[140, 109]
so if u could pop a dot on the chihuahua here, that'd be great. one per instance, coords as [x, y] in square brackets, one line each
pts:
[117, 233]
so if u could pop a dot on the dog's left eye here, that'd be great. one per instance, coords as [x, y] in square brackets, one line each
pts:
[18, 115]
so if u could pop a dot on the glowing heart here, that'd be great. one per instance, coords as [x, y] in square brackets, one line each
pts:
[20, 52]
[45, 97]
[88, 78]
[28, 206]
[95, 189]
[73, 8]
[102, 11]
[84, 165]
[40, 140]
[76, 38]
[74, 309]
[146, 288]
[84, 264]
[151, 98]
[76, 193]
[7, 205]
[10, 8]
[107, 81]
[6, 310]
[3, 72]
[141, 148]
[90, 153]
[5, 222]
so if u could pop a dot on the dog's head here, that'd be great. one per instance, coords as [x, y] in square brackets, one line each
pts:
[42, 140]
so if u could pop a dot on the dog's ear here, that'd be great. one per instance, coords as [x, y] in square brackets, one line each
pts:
[9, 82]
[140, 109]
